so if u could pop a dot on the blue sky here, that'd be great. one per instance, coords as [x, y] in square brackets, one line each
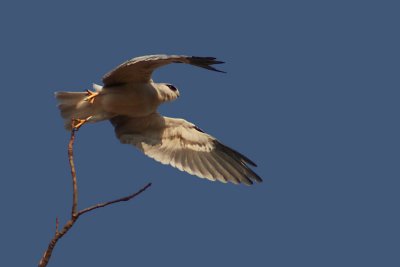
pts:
[311, 95]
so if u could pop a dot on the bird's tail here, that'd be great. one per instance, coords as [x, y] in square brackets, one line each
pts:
[74, 105]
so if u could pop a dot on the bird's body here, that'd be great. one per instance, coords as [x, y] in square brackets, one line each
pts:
[133, 100]
[130, 98]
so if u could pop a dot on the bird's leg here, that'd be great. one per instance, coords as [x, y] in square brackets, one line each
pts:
[90, 96]
[77, 123]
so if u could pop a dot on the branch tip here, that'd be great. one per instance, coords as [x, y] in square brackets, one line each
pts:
[57, 225]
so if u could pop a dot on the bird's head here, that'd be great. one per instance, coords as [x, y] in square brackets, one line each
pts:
[167, 92]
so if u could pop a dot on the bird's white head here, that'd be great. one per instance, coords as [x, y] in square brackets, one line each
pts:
[167, 92]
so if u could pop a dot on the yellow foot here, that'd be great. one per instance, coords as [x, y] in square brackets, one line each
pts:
[90, 96]
[77, 123]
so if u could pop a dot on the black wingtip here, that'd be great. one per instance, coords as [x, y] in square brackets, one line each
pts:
[206, 62]
[221, 71]
[239, 162]
[214, 69]
[235, 153]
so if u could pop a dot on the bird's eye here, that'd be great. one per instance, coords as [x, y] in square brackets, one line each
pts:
[173, 88]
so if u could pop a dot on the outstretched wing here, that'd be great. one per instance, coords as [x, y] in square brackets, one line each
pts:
[184, 146]
[139, 69]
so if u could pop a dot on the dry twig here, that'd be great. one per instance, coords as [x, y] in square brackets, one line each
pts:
[75, 214]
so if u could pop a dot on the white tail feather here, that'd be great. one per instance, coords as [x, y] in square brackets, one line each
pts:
[73, 105]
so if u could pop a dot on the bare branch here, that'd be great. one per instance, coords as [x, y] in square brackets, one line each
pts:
[75, 214]
[102, 205]
[73, 172]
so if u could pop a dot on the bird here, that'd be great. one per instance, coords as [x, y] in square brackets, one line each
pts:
[129, 99]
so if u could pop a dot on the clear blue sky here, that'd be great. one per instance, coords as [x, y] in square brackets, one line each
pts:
[311, 95]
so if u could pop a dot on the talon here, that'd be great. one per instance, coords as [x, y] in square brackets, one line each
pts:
[77, 123]
[90, 96]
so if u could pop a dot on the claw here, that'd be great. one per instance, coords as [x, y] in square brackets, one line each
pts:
[91, 96]
[77, 123]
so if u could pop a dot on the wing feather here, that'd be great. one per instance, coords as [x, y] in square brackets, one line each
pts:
[201, 172]
[184, 146]
[215, 168]
[236, 176]
[239, 174]
[178, 159]
[208, 171]
[140, 69]
[192, 167]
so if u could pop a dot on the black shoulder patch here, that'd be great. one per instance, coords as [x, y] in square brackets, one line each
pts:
[198, 129]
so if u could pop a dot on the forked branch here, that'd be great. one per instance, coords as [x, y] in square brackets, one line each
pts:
[75, 214]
